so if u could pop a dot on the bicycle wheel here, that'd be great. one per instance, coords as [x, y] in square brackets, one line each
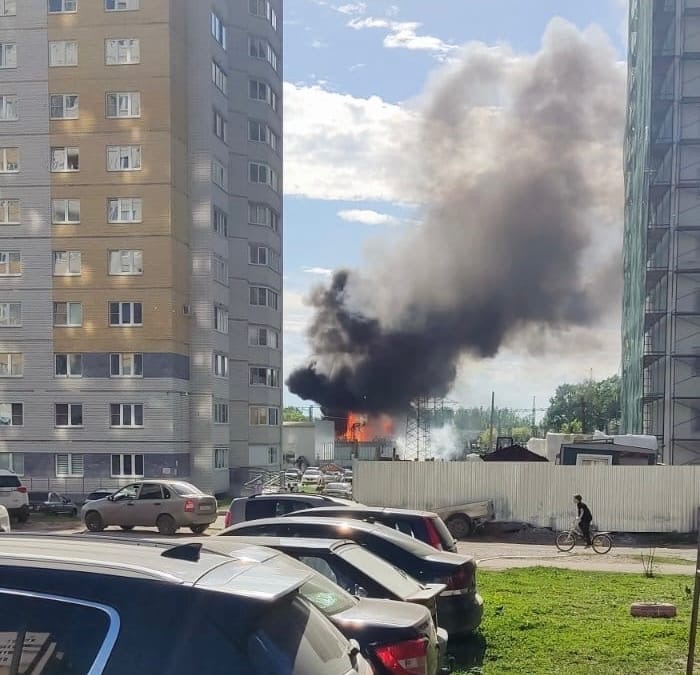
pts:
[565, 541]
[602, 543]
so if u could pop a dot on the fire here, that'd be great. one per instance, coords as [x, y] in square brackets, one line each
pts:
[364, 428]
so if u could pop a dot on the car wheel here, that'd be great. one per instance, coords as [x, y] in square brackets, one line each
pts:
[166, 524]
[460, 526]
[94, 522]
[23, 515]
[126, 528]
[198, 529]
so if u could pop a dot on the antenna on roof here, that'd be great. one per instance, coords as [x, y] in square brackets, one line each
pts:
[188, 552]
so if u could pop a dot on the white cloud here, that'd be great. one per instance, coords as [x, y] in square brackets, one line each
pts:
[357, 66]
[367, 217]
[319, 44]
[352, 8]
[403, 35]
[319, 271]
[297, 314]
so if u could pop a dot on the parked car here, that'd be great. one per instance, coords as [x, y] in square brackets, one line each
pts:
[113, 607]
[165, 504]
[312, 476]
[463, 519]
[100, 493]
[5, 525]
[52, 502]
[423, 525]
[13, 496]
[269, 506]
[460, 607]
[341, 489]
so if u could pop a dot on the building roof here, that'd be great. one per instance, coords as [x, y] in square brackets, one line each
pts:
[513, 453]
[614, 447]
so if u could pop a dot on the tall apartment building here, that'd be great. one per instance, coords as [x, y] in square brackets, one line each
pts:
[140, 238]
[661, 312]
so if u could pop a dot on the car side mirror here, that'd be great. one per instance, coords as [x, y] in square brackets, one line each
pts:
[360, 591]
[110, 498]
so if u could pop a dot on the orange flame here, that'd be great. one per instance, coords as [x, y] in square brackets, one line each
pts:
[364, 428]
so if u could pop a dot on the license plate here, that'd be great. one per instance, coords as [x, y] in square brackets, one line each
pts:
[206, 507]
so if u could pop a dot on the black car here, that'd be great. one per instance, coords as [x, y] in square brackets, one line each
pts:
[110, 607]
[254, 507]
[460, 607]
[52, 502]
[424, 525]
[100, 493]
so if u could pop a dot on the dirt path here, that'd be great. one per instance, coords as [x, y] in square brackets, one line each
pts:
[506, 555]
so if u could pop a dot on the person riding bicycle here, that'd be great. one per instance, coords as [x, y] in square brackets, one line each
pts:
[584, 519]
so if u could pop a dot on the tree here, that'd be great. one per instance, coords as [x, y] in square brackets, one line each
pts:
[587, 406]
[292, 414]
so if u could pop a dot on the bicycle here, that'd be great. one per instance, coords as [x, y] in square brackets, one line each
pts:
[566, 540]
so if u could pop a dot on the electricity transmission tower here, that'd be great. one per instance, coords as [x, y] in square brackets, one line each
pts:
[418, 424]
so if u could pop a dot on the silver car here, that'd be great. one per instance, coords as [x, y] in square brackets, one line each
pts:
[165, 504]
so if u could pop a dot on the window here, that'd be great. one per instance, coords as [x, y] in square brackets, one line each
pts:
[124, 210]
[127, 466]
[263, 255]
[220, 267]
[12, 461]
[263, 416]
[220, 362]
[9, 160]
[8, 55]
[262, 173]
[11, 364]
[65, 211]
[63, 53]
[219, 175]
[262, 91]
[8, 7]
[11, 414]
[10, 314]
[8, 107]
[272, 455]
[69, 465]
[69, 414]
[121, 5]
[124, 104]
[126, 414]
[261, 133]
[65, 159]
[126, 365]
[220, 222]
[220, 319]
[66, 263]
[218, 30]
[68, 365]
[125, 314]
[64, 106]
[262, 214]
[221, 458]
[126, 262]
[67, 314]
[122, 51]
[263, 297]
[264, 377]
[220, 413]
[261, 49]
[123, 157]
[264, 9]
[220, 126]
[10, 264]
[219, 77]
[261, 336]
[62, 6]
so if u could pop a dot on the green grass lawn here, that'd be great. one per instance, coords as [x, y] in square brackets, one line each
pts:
[544, 620]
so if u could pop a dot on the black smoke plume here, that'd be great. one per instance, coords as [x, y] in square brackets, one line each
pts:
[517, 161]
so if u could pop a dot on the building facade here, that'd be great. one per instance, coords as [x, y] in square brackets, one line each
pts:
[661, 311]
[140, 238]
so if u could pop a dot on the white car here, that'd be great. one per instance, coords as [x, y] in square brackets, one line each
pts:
[4, 520]
[14, 496]
[312, 476]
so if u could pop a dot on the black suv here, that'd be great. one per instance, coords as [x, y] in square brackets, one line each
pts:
[272, 505]
[74, 605]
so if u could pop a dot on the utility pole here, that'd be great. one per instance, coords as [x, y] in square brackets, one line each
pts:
[493, 401]
[534, 418]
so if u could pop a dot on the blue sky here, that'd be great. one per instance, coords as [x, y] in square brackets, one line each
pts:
[350, 68]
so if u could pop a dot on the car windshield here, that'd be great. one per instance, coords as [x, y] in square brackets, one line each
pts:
[392, 578]
[183, 488]
[326, 595]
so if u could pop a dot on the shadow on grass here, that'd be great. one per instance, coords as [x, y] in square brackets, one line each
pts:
[468, 653]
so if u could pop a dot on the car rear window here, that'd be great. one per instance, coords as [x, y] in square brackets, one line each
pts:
[326, 595]
[183, 488]
[294, 638]
[385, 574]
[9, 481]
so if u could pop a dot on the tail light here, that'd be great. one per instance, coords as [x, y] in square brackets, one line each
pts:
[462, 578]
[228, 518]
[433, 535]
[404, 658]
[22, 489]
[189, 506]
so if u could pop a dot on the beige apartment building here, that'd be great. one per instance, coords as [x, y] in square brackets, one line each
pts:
[140, 239]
